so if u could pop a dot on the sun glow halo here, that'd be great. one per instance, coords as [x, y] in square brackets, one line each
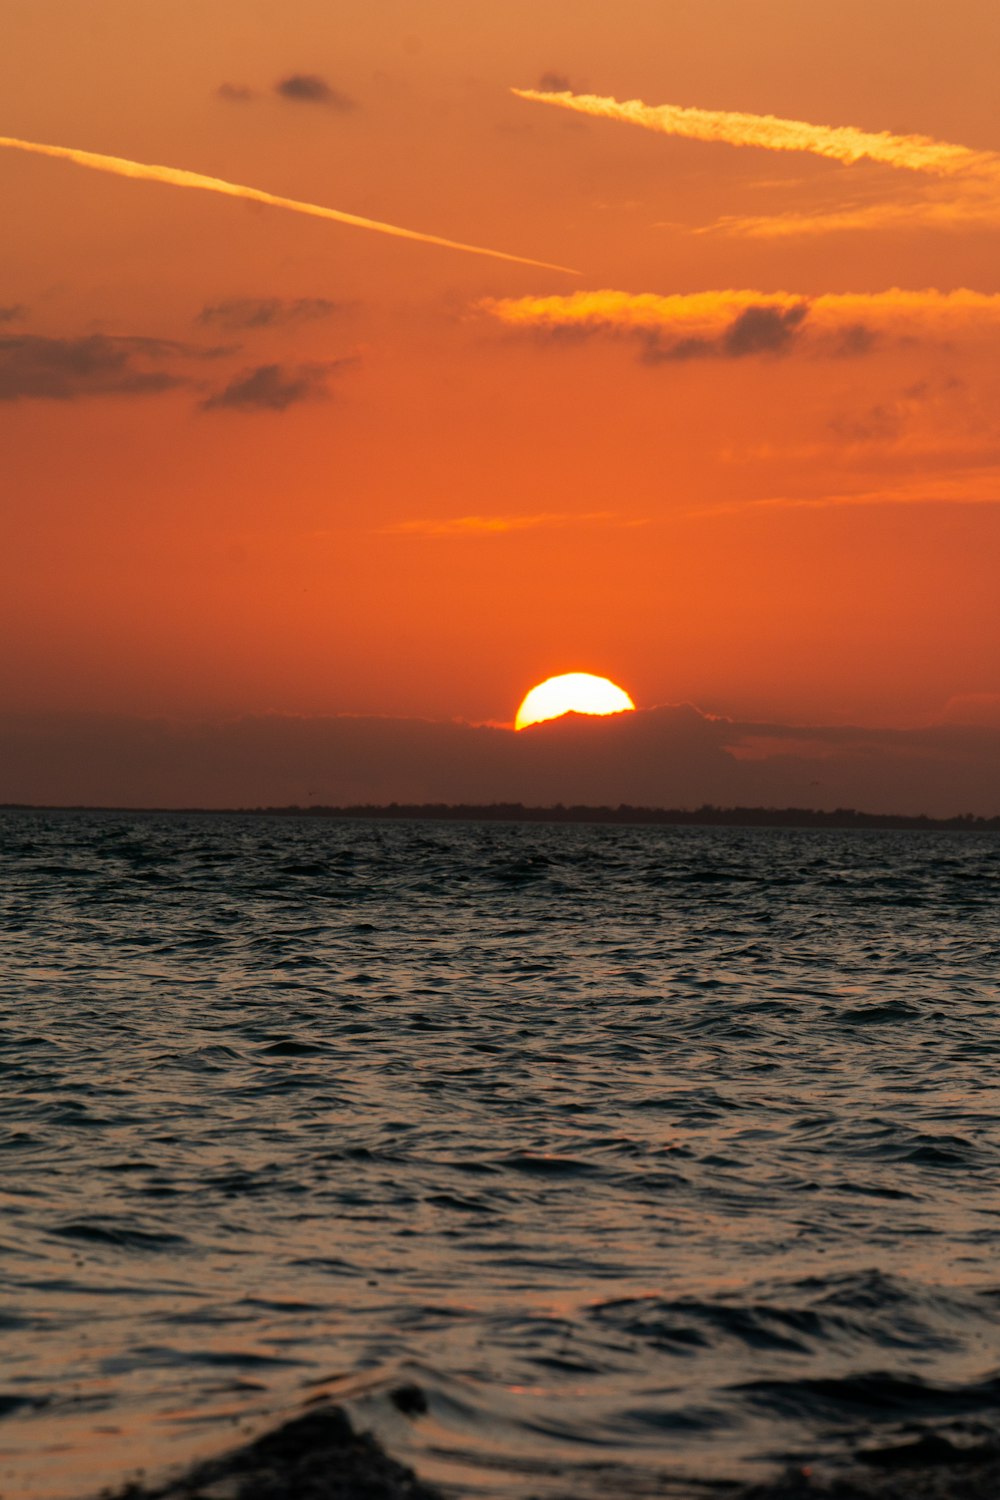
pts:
[572, 693]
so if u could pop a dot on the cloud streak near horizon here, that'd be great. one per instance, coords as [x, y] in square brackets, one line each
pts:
[983, 489]
[471, 526]
[973, 177]
[671, 756]
[119, 166]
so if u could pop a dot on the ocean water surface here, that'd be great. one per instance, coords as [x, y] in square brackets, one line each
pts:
[638, 1152]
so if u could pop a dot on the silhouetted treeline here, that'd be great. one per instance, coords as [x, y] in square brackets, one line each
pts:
[707, 816]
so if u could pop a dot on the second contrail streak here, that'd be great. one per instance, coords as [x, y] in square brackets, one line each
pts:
[120, 166]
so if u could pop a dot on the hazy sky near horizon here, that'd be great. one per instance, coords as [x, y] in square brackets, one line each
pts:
[256, 462]
[664, 757]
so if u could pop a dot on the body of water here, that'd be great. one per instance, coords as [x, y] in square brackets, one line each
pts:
[638, 1150]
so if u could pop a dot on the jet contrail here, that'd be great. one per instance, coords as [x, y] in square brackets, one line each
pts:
[917, 153]
[120, 166]
[971, 194]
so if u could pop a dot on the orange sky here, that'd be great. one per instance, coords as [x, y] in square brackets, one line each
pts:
[382, 477]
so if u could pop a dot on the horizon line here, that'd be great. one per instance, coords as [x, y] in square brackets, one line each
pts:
[708, 814]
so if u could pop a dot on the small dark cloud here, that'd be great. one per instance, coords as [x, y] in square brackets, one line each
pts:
[275, 387]
[755, 330]
[235, 93]
[554, 83]
[576, 333]
[656, 352]
[265, 312]
[309, 88]
[879, 424]
[854, 341]
[762, 330]
[33, 366]
[888, 421]
[11, 312]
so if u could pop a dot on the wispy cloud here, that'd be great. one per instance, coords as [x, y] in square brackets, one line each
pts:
[235, 93]
[120, 166]
[970, 190]
[242, 313]
[553, 83]
[973, 708]
[275, 387]
[978, 489]
[733, 323]
[466, 526]
[947, 206]
[37, 367]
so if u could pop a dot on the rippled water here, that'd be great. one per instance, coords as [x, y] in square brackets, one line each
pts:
[637, 1149]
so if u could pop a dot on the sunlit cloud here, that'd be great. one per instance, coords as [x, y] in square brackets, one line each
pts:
[969, 190]
[176, 177]
[731, 323]
[468, 526]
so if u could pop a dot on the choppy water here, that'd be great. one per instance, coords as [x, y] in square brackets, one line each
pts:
[637, 1149]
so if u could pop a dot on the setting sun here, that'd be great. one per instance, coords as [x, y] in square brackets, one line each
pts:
[572, 693]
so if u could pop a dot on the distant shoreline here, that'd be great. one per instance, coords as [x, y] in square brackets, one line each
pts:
[707, 816]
